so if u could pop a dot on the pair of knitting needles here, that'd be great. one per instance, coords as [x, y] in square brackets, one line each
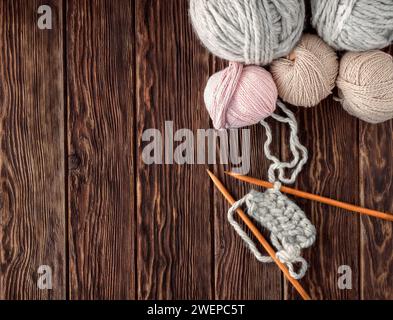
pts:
[293, 192]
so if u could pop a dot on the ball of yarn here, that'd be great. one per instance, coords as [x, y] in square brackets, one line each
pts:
[354, 25]
[309, 76]
[251, 31]
[240, 96]
[365, 85]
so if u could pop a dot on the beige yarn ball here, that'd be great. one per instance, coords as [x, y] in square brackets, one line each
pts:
[309, 74]
[365, 85]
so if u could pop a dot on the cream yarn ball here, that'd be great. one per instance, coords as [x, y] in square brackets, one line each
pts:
[354, 25]
[309, 76]
[365, 85]
[248, 31]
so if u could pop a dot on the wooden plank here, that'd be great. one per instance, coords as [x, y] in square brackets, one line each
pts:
[175, 256]
[100, 56]
[376, 189]
[331, 138]
[32, 202]
[236, 269]
[238, 274]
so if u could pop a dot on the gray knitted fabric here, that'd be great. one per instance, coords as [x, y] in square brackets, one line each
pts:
[290, 230]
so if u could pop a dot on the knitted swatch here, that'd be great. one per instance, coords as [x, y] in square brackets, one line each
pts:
[290, 230]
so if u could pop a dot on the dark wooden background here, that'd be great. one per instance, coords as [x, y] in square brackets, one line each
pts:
[75, 194]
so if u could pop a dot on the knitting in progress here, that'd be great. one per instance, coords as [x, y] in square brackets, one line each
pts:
[240, 96]
[290, 229]
[304, 71]
[234, 101]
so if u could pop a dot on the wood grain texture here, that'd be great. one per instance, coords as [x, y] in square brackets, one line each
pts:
[100, 60]
[76, 195]
[238, 275]
[32, 201]
[174, 208]
[331, 138]
[376, 190]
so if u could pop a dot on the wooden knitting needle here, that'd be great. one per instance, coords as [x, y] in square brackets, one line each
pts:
[259, 236]
[313, 197]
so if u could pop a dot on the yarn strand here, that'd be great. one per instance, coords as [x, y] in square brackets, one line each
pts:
[290, 229]
[299, 152]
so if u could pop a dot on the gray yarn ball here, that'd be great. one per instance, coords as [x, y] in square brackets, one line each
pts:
[248, 31]
[354, 25]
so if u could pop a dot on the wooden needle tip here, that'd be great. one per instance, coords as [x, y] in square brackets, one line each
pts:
[232, 174]
[211, 175]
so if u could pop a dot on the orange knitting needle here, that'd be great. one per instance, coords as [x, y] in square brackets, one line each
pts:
[259, 236]
[313, 197]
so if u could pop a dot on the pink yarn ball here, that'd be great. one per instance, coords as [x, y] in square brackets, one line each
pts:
[240, 96]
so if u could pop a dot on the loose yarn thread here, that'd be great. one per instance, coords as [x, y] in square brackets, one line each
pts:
[248, 31]
[354, 25]
[290, 229]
